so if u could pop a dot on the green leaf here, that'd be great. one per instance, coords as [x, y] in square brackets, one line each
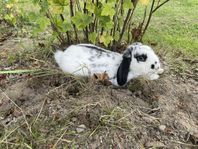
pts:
[106, 39]
[103, 20]
[98, 10]
[109, 25]
[44, 6]
[10, 18]
[36, 1]
[43, 22]
[81, 20]
[93, 37]
[61, 2]
[128, 4]
[116, 36]
[91, 7]
[144, 2]
[66, 26]
[108, 10]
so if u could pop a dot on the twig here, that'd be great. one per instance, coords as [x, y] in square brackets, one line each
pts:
[78, 5]
[144, 18]
[125, 116]
[19, 109]
[10, 143]
[125, 24]
[115, 18]
[72, 14]
[54, 146]
[186, 144]
[9, 134]
[67, 32]
[39, 112]
[149, 18]
[158, 6]
[86, 28]
[94, 131]
[152, 117]
[54, 27]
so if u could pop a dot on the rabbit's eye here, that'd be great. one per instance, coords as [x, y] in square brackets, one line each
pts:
[141, 57]
[152, 66]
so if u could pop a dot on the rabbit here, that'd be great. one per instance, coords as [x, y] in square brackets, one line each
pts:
[87, 59]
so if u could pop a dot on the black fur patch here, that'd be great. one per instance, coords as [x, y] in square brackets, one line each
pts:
[93, 47]
[123, 71]
[140, 57]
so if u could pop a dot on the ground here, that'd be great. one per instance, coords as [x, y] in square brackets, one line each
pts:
[48, 109]
[52, 110]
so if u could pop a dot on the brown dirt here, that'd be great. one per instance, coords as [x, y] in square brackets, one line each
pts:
[60, 111]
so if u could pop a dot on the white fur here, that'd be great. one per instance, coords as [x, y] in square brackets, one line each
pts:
[85, 60]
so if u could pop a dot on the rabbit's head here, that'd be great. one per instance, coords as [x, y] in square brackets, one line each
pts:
[138, 60]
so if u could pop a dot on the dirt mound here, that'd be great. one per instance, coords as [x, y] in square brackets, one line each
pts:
[59, 111]
[161, 113]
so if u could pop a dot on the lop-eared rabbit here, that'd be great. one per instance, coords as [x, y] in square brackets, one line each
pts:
[87, 59]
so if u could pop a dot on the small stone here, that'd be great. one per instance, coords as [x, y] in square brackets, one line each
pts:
[81, 128]
[74, 119]
[162, 127]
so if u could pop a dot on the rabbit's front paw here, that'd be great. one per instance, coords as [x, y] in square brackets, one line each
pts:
[160, 71]
[153, 77]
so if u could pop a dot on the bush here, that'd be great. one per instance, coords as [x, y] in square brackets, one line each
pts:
[96, 21]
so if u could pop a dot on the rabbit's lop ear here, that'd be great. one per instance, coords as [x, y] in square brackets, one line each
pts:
[123, 69]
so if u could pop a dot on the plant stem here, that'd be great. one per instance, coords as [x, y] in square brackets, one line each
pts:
[67, 32]
[149, 18]
[158, 6]
[125, 24]
[54, 28]
[74, 26]
[86, 28]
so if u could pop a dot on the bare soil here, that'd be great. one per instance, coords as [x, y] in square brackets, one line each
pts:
[59, 111]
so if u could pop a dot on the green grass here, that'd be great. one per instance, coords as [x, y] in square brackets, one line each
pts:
[175, 27]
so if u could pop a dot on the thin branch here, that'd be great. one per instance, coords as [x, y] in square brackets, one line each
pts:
[115, 18]
[125, 24]
[129, 31]
[67, 32]
[121, 7]
[141, 25]
[78, 5]
[54, 27]
[131, 15]
[91, 26]
[23, 114]
[86, 28]
[158, 6]
[72, 14]
[149, 18]
[145, 12]
[102, 30]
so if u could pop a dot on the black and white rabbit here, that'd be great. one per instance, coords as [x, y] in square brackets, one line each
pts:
[87, 59]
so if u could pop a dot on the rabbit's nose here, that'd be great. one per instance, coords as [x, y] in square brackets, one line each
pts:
[157, 67]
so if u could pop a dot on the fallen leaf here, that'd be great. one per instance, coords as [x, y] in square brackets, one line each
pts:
[102, 78]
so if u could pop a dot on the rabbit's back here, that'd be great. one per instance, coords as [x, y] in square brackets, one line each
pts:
[85, 61]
